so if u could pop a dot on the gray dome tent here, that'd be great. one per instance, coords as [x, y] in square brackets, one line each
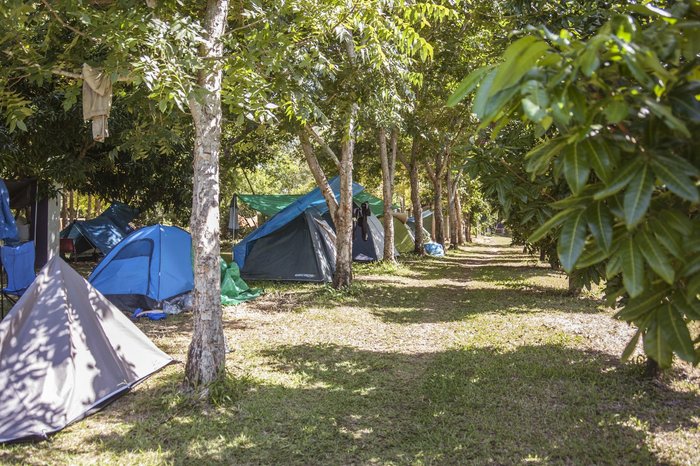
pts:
[66, 352]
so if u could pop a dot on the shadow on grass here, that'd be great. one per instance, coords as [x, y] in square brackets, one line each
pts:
[332, 404]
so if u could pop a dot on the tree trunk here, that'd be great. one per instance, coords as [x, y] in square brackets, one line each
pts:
[575, 287]
[71, 208]
[452, 208]
[98, 206]
[343, 226]
[460, 219]
[206, 355]
[468, 233]
[318, 175]
[64, 210]
[438, 229]
[388, 167]
[543, 255]
[412, 168]
[88, 213]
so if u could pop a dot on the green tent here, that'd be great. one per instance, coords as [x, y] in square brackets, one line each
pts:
[403, 238]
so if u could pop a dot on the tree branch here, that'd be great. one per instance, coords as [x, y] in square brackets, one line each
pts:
[66, 25]
[319, 176]
[326, 148]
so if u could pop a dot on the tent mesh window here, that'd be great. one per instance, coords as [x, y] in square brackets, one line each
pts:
[133, 251]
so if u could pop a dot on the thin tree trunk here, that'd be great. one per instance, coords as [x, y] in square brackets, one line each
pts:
[98, 206]
[88, 213]
[206, 355]
[411, 166]
[343, 226]
[71, 209]
[452, 208]
[64, 210]
[460, 219]
[469, 228]
[438, 231]
[319, 176]
[388, 168]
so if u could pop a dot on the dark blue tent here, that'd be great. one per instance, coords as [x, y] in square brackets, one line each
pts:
[149, 266]
[102, 232]
[311, 234]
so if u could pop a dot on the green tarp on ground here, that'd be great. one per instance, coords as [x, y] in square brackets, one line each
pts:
[233, 289]
[270, 204]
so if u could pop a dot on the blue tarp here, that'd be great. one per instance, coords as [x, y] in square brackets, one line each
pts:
[152, 264]
[102, 232]
[314, 199]
[8, 228]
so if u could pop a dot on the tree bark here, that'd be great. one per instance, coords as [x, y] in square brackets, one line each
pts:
[319, 176]
[411, 166]
[438, 230]
[98, 206]
[206, 355]
[460, 220]
[343, 226]
[468, 233]
[452, 182]
[71, 209]
[388, 169]
[64, 210]
[88, 213]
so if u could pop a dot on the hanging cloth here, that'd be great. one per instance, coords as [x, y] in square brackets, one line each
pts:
[8, 227]
[97, 100]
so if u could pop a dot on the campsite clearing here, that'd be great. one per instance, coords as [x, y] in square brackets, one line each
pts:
[479, 357]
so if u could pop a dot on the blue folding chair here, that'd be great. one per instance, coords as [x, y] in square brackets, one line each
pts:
[18, 262]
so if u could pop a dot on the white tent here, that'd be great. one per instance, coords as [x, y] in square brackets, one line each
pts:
[66, 352]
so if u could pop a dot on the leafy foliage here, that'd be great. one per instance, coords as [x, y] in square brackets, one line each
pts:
[617, 112]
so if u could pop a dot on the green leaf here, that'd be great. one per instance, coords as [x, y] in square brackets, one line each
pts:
[599, 158]
[637, 308]
[572, 239]
[667, 237]
[687, 307]
[678, 182]
[632, 267]
[616, 111]
[667, 116]
[576, 167]
[677, 220]
[600, 223]
[538, 158]
[655, 344]
[548, 225]
[589, 61]
[482, 95]
[519, 58]
[631, 346]
[693, 289]
[638, 196]
[620, 181]
[593, 254]
[676, 329]
[656, 257]
[467, 85]
[613, 266]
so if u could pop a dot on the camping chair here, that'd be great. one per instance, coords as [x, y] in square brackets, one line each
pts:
[18, 262]
[67, 246]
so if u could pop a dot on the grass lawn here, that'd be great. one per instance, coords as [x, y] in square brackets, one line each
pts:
[479, 357]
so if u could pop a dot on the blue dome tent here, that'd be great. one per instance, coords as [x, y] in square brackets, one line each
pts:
[149, 266]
